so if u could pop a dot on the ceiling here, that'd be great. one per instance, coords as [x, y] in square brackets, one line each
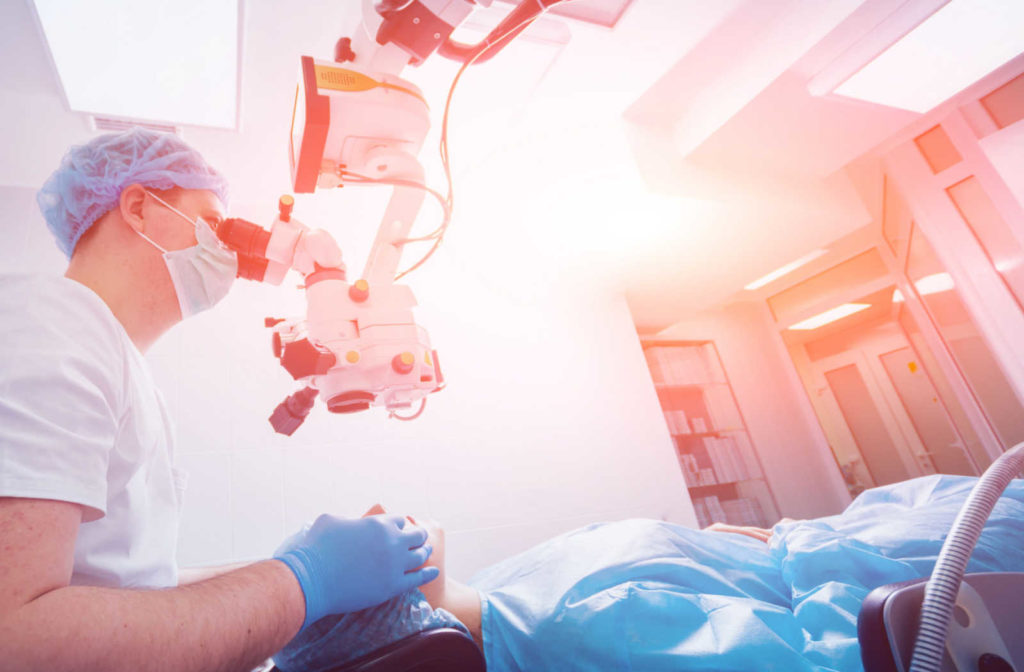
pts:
[676, 157]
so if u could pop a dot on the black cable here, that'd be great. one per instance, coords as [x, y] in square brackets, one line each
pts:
[443, 149]
[434, 235]
[423, 404]
[447, 201]
[363, 179]
[433, 248]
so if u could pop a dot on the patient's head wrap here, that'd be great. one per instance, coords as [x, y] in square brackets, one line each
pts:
[90, 178]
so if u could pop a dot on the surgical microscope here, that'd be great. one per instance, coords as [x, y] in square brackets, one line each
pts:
[355, 121]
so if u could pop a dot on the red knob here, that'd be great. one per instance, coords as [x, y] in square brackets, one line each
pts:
[403, 363]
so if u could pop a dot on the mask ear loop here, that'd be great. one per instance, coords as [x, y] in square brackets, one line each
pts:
[197, 223]
[173, 209]
[152, 242]
[147, 238]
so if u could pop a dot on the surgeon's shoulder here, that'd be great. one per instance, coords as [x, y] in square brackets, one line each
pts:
[46, 316]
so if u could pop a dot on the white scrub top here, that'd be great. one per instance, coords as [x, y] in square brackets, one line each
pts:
[81, 421]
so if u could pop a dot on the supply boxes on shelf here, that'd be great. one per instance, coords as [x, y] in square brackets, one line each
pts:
[716, 455]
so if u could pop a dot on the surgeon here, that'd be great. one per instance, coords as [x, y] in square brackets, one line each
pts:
[89, 496]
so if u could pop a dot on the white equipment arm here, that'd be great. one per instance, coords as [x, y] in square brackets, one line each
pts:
[355, 121]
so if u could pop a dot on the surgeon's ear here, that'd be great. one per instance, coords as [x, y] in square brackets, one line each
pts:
[133, 198]
[374, 510]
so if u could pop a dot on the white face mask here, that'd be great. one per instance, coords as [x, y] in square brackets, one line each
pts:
[201, 274]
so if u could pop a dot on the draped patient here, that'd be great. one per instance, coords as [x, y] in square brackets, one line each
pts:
[651, 595]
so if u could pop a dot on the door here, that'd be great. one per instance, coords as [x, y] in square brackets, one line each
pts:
[878, 440]
[925, 410]
[895, 419]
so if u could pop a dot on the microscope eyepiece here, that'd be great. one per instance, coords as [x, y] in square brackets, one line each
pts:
[244, 237]
[250, 242]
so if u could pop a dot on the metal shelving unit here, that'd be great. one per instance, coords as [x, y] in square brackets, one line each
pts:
[716, 455]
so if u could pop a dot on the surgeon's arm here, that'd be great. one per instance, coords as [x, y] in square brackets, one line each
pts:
[190, 575]
[230, 622]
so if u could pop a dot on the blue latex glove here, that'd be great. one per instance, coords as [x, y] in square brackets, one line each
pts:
[346, 565]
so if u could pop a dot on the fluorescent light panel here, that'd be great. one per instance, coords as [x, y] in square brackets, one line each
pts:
[788, 268]
[955, 47]
[837, 313]
[161, 60]
[929, 284]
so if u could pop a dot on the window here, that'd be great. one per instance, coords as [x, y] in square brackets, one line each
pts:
[938, 149]
[1000, 243]
[966, 344]
[1006, 104]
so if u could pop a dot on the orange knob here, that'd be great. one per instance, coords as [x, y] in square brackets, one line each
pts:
[284, 207]
[359, 291]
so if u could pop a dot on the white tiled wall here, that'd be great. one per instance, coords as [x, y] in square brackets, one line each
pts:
[549, 421]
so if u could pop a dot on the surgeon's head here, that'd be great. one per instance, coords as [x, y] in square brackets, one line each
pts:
[135, 212]
[91, 178]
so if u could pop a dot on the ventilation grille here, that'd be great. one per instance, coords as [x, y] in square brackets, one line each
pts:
[114, 124]
[601, 12]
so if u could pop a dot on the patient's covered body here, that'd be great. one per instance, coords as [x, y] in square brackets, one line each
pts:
[648, 595]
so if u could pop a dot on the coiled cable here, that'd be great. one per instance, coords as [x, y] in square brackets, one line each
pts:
[944, 585]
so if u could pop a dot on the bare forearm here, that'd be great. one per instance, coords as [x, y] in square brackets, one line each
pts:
[190, 575]
[227, 623]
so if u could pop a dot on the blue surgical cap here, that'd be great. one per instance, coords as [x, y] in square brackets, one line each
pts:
[90, 178]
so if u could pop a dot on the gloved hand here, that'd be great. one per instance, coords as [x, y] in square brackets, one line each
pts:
[346, 565]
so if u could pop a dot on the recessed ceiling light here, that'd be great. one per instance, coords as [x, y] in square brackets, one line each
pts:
[934, 283]
[788, 268]
[929, 284]
[161, 60]
[837, 313]
[956, 46]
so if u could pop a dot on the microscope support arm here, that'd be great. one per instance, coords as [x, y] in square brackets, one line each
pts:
[399, 217]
